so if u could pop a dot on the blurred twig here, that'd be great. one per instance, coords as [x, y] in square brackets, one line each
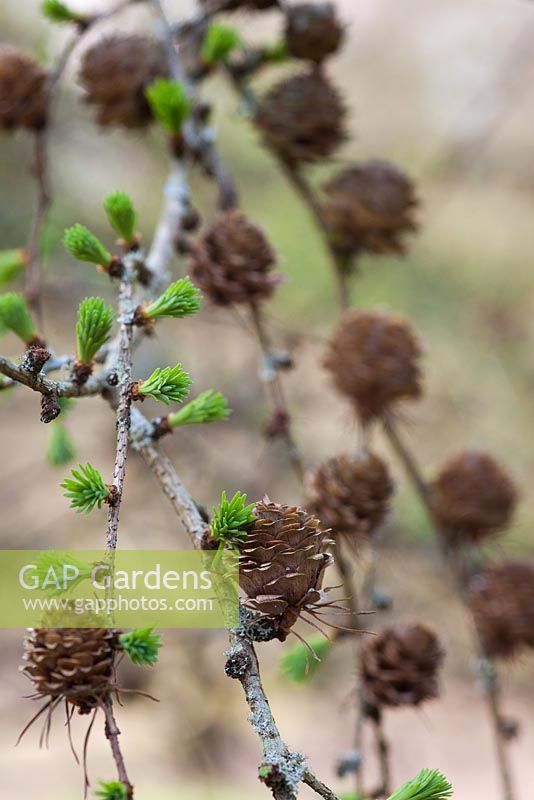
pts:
[40, 167]
[487, 668]
[342, 268]
[275, 390]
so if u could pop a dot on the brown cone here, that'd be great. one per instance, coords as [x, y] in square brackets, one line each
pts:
[373, 358]
[233, 261]
[501, 599]
[23, 100]
[313, 31]
[400, 666]
[115, 73]
[302, 118]
[350, 494]
[370, 208]
[71, 663]
[282, 563]
[473, 497]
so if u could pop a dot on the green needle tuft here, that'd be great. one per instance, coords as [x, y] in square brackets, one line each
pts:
[298, 663]
[55, 577]
[83, 245]
[169, 103]
[15, 316]
[219, 41]
[60, 448]
[56, 11]
[168, 385]
[86, 489]
[429, 784]
[111, 790]
[142, 646]
[180, 299]
[121, 215]
[93, 327]
[12, 262]
[232, 518]
[209, 406]
[277, 53]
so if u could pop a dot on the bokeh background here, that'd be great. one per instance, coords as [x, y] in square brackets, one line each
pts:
[445, 89]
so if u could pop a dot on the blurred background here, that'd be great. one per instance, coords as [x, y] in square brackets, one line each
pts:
[446, 90]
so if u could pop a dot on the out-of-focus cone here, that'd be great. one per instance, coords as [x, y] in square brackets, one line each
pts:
[350, 494]
[302, 118]
[373, 358]
[370, 208]
[233, 261]
[472, 497]
[115, 73]
[23, 100]
[502, 601]
[313, 31]
[400, 666]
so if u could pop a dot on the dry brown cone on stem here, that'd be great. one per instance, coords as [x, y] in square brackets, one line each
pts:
[350, 494]
[313, 31]
[71, 664]
[282, 562]
[373, 358]
[472, 498]
[501, 599]
[400, 666]
[302, 118]
[233, 261]
[370, 209]
[23, 97]
[115, 73]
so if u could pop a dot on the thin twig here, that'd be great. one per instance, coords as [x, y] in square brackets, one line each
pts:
[40, 169]
[487, 668]
[178, 71]
[176, 204]
[33, 276]
[318, 786]
[341, 266]
[282, 770]
[490, 680]
[112, 734]
[40, 383]
[32, 280]
[382, 749]
[275, 390]
[183, 504]
[351, 593]
[410, 465]
[124, 369]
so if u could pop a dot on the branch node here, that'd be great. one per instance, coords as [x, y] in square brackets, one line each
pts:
[35, 358]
